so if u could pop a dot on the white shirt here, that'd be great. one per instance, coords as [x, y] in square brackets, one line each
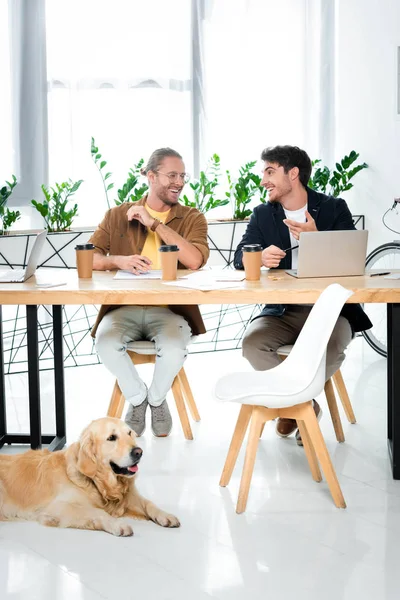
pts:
[300, 217]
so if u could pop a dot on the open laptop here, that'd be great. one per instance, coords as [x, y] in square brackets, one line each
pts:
[21, 275]
[331, 254]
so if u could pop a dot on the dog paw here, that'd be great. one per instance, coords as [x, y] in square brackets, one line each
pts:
[167, 520]
[121, 528]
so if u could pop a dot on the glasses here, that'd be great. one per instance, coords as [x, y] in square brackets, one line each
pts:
[183, 177]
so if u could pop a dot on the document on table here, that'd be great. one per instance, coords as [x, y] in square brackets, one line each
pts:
[229, 276]
[155, 274]
[210, 280]
[205, 286]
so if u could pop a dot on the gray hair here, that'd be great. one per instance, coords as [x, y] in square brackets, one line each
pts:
[157, 158]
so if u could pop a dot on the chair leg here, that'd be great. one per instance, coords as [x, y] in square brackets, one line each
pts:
[236, 443]
[187, 392]
[344, 396]
[310, 452]
[251, 451]
[333, 409]
[180, 405]
[117, 403]
[262, 429]
[317, 440]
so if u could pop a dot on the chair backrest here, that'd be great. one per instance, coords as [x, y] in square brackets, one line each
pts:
[309, 351]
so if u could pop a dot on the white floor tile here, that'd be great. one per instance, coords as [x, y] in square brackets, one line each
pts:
[291, 541]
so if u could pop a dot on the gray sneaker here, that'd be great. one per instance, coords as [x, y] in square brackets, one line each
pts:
[136, 417]
[161, 420]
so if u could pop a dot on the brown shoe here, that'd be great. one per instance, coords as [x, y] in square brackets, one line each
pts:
[318, 414]
[285, 427]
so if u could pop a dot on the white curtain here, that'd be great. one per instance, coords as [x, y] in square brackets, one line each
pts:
[201, 76]
[7, 163]
[121, 72]
[28, 97]
[254, 77]
[261, 81]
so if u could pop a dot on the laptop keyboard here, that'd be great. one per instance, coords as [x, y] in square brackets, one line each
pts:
[12, 276]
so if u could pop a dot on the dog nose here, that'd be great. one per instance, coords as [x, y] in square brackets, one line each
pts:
[136, 452]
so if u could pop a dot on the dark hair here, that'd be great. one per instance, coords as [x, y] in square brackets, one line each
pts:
[157, 158]
[289, 157]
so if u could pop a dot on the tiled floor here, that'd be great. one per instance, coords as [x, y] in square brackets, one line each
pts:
[291, 542]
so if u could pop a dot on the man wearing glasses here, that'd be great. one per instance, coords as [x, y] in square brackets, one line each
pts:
[128, 238]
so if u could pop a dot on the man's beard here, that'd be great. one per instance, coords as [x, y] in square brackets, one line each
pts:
[164, 198]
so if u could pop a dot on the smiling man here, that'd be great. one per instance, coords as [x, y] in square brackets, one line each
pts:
[292, 208]
[128, 238]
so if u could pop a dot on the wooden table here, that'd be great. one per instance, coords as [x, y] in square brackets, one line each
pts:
[278, 288]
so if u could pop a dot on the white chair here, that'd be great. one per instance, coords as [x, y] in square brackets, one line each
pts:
[286, 391]
[143, 352]
[337, 378]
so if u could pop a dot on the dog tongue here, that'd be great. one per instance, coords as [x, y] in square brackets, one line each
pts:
[133, 469]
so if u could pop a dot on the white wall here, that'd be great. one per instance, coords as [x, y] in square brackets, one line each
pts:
[368, 33]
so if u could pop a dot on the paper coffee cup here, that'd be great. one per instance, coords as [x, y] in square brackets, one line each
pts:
[84, 260]
[169, 262]
[252, 261]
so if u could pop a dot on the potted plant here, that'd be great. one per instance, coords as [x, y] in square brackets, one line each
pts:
[335, 181]
[8, 217]
[54, 206]
[58, 215]
[204, 188]
[131, 191]
[246, 189]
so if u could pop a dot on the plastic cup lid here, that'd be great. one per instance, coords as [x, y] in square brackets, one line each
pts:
[171, 248]
[252, 248]
[84, 247]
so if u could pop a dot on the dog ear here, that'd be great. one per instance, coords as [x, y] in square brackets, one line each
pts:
[87, 462]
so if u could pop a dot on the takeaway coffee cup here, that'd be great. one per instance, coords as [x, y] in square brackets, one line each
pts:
[252, 261]
[84, 260]
[169, 262]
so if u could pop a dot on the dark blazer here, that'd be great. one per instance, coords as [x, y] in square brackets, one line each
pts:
[266, 227]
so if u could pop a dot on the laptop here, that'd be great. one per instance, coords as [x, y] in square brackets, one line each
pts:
[331, 254]
[21, 275]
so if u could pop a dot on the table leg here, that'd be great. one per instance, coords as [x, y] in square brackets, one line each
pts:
[33, 377]
[59, 387]
[3, 414]
[393, 391]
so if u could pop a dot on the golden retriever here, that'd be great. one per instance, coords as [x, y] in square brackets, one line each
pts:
[89, 485]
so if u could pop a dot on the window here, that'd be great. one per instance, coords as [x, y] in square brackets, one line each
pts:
[121, 72]
[255, 69]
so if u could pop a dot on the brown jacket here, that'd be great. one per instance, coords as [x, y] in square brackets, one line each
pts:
[117, 236]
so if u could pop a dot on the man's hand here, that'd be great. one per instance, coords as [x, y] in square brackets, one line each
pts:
[297, 228]
[135, 263]
[140, 214]
[272, 256]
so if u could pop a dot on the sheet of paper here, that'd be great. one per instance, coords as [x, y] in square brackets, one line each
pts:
[230, 276]
[205, 286]
[155, 274]
[217, 275]
[392, 276]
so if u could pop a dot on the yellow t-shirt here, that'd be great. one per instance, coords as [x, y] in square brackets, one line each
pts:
[153, 240]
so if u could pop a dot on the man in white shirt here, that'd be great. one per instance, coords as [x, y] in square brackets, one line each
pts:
[292, 208]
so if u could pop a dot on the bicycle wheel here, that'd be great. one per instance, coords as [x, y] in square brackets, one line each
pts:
[385, 258]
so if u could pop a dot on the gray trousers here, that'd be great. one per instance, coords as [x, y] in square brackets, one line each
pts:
[171, 334]
[266, 334]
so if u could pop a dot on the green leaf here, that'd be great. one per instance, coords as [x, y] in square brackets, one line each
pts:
[103, 164]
